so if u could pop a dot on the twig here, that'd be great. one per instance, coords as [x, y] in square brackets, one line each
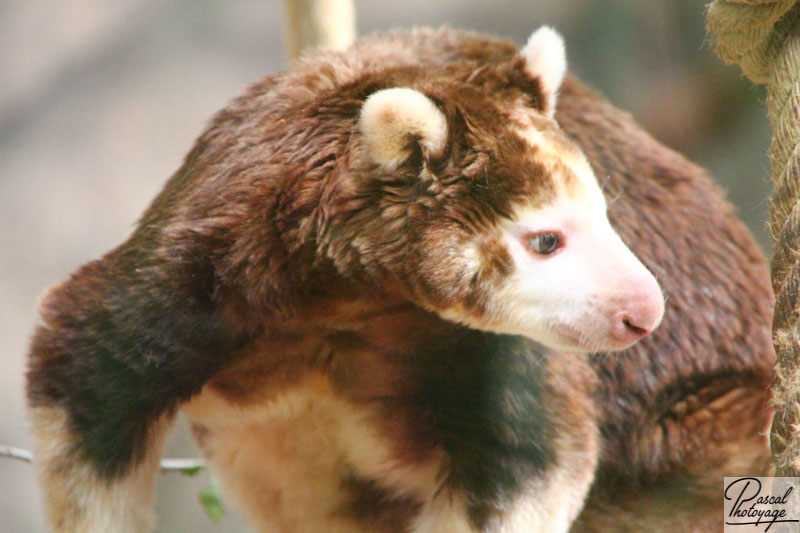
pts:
[182, 465]
[16, 453]
[167, 465]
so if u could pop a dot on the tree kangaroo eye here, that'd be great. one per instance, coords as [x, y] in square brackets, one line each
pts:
[545, 243]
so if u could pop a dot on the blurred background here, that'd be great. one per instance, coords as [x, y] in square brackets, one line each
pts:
[100, 100]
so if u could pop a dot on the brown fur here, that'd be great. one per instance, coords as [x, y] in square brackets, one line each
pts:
[280, 255]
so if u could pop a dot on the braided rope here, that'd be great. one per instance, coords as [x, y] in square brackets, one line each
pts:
[763, 37]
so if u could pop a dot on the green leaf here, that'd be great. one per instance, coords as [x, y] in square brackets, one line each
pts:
[192, 470]
[211, 500]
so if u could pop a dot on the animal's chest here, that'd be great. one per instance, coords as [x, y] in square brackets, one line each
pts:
[334, 436]
[306, 457]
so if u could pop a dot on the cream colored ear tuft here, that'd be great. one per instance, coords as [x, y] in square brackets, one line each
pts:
[546, 59]
[391, 118]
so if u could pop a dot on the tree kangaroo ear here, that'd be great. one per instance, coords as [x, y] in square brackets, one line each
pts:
[544, 64]
[393, 120]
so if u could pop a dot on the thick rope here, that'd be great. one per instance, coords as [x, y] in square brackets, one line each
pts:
[763, 38]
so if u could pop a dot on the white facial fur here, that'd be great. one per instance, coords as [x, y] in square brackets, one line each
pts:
[587, 294]
[592, 294]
